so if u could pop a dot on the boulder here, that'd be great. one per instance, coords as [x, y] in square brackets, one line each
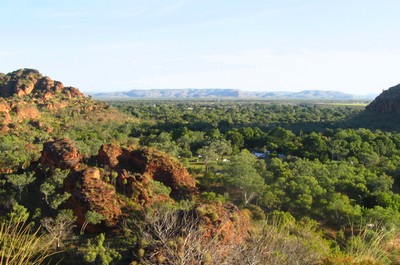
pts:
[91, 193]
[61, 153]
[151, 164]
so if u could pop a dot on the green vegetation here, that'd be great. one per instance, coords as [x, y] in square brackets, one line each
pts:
[21, 245]
[307, 181]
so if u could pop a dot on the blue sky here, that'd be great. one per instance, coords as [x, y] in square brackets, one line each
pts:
[351, 46]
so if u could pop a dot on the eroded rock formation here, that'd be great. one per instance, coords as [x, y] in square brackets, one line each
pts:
[134, 173]
[28, 81]
[61, 153]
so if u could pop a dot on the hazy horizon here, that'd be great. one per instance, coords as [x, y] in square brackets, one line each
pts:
[99, 46]
[221, 88]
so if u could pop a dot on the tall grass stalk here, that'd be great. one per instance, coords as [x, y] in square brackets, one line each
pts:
[370, 244]
[20, 245]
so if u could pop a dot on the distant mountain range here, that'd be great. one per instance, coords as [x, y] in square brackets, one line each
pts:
[221, 93]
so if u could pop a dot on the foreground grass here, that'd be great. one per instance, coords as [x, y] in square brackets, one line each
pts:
[20, 245]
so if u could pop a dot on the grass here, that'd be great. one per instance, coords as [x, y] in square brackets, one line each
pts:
[366, 245]
[20, 245]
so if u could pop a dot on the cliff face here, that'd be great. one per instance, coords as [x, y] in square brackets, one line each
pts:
[387, 102]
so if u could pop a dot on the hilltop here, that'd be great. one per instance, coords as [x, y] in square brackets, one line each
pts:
[387, 102]
[34, 109]
[382, 113]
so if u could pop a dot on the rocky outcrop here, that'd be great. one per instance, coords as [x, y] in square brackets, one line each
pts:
[387, 102]
[109, 155]
[136, 173]
[149, 163]
[224, 221]
[90, 193]
[163, 168]
[27, 112]
[61, 153]
[29, 81]
[4, 106]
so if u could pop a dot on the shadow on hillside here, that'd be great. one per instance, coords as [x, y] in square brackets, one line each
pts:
[365, 119]
[373, 121]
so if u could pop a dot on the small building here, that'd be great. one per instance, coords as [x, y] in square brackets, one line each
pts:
[259, 155]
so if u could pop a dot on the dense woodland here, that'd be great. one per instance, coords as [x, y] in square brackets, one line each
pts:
[337, 176]
[288, 182]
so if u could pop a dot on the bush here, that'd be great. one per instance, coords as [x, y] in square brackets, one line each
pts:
[256, 212]
[212, 197]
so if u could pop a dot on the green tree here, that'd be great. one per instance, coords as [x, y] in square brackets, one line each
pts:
[19, 212]
[98, 253]
[236, 139]
[314, 146]
[53, 186]
[241, 175]
[338, 149]
[47, 189]
[343, 210]
[208, 155]
[20, 181]
[91, 217]
[59, 199]
[282, 140]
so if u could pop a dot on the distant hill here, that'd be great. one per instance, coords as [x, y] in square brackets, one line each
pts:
[191, 93]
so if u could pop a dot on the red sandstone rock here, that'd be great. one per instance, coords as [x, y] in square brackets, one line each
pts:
[27, 112]
[152, 164]
[224, 221]
[60, 153]
[29, 81]
[109, 154]
[4, 106]
[90, 192]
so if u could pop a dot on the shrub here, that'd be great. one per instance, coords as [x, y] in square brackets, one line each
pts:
[256, 212]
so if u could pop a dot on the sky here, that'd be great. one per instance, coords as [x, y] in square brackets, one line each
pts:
[352, 46]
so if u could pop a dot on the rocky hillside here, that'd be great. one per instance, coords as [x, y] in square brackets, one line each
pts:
[74, 153]
[387, 102]
[143, 176]
[34, 108]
